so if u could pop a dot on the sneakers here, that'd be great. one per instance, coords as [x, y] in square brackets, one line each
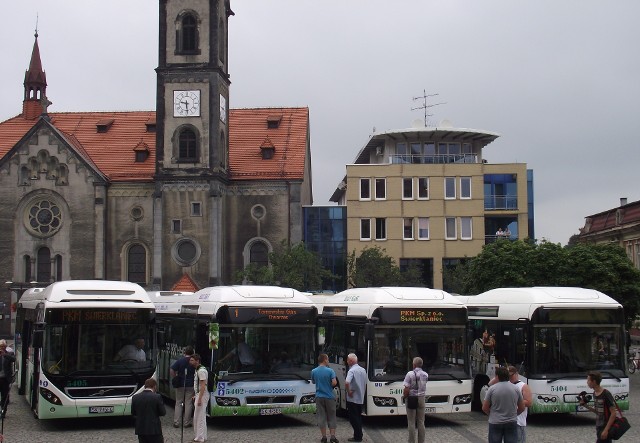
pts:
[334, 439]
[176, 425]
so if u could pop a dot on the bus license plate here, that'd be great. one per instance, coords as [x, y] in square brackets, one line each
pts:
[271, 411]
[433, 410]
[100, 409]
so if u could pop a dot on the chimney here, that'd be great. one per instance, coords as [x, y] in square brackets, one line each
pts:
[623, 201]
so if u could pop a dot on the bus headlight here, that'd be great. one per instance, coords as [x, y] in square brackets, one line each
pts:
[306, 399]
[227, 401]
[385, 401]
[462, 399]
[50, 396]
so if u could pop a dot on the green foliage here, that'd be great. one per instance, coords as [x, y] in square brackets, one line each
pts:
[605, 268]
[289, 266]
[374, 268]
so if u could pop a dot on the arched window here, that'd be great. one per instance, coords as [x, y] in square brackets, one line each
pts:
[187, 37]
[137, 264]
[187, 145]
[259, 254]
[58, 266]
[27, 268]
[222, 45]
[43, 265]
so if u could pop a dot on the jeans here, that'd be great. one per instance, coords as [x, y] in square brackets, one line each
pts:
[355, 418]
[503, 432]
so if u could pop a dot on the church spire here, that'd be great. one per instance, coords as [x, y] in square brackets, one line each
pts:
[35, 86]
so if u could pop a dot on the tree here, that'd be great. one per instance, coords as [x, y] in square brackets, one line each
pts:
[289, 266]
[605, 268]
[374, 268]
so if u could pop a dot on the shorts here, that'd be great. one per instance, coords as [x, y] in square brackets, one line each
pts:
[326, 412]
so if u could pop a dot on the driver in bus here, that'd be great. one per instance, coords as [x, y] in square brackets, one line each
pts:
[132, 352]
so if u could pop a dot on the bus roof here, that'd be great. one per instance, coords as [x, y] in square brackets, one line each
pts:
[70, 291]
[364, 301]
[517, 303]
[209, 300]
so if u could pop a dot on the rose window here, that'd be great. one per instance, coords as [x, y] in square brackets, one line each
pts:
[44, 218]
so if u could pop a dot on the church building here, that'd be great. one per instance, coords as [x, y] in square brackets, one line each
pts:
[193, 190]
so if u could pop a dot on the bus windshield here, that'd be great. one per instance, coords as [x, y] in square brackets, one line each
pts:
[256, 351]
[577, 349]
[441, 349]
[106, 342]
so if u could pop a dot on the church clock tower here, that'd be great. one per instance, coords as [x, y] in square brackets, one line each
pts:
[192, 140]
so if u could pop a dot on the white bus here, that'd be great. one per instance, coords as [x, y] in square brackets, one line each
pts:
[554, 336]
[276, 323]
[68, 341]
[386, 328]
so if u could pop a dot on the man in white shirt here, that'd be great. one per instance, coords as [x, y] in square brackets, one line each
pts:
[134, 352]
[355, 385]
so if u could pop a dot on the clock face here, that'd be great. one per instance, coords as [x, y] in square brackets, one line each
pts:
[186, 103]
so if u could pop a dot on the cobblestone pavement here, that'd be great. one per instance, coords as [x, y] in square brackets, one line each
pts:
[20, 426]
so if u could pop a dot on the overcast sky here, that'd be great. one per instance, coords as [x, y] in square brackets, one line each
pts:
[559, 80]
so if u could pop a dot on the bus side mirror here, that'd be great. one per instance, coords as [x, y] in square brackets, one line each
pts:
[37, 338]
[369, 331]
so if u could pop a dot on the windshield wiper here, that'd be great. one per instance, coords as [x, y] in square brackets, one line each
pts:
[394, 381]
[431, 377]
[551, 380]
[611, 374]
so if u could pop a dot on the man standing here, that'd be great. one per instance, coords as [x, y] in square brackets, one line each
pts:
[415, 385]
[183, 372]
[147, 407]
[325, 379]
[526, 398]
[355, 384]
[602, 400]
[6, 376]
[201, 398]
[503, 403]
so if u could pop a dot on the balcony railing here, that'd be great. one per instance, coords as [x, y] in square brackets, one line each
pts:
[494, 238]
[433, 159]
[500, 202]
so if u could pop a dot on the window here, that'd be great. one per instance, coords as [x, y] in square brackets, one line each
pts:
[176, 226]
[43, 265]
[449, 188]
[466, 228]
[259, 254]
[187, 34]
[365, 229]
[407, 230]
[137, 264]
[365, 189]
[450, 232]
[465, 187]
[423, 228]
[196, 209]
[402, 153]
[423, 188]
[27, 268]
[381, 188]
[381, 228]
[185, 252]
[407, 188]
[187, 145]
[141, 156]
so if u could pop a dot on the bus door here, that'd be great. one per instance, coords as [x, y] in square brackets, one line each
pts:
[36, 348]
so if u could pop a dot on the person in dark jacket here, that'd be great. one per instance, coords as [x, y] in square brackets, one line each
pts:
[184, 389]
[7, 360]
[147, 407]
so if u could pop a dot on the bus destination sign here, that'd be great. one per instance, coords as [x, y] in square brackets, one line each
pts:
[96, 316]
[421, 316]
[266, 315]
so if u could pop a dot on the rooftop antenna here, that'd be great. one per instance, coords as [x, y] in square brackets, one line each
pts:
[36, 35]
[425, 106]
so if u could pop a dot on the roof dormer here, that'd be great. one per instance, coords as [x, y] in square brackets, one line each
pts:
[273, 121]
[104, 125]
[267, 149]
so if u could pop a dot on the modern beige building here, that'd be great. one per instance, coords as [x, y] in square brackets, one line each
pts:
[430, 197]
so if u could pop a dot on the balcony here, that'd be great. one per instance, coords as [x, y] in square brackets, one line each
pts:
[495, 238]
[436, 159]
[500, 202]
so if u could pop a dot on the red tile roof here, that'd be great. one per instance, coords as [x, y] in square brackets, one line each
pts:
[112, 152]
[247, 133]
[621, 216]
[185, 284]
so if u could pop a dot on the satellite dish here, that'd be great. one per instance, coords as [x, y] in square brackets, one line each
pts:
[445, 124]
[417, 123]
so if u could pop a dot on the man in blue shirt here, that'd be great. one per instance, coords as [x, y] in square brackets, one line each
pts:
[355, 385]
[325, 379]
[183, 372]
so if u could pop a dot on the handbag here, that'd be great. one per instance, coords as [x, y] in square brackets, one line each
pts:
[620, 424]
[412, 400]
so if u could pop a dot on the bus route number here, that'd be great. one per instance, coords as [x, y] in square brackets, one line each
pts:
[395, 391]
[559, 389]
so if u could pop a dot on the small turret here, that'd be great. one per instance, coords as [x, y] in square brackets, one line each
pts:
[35, 86]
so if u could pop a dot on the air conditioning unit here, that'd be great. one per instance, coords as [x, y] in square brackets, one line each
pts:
[379, 150]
